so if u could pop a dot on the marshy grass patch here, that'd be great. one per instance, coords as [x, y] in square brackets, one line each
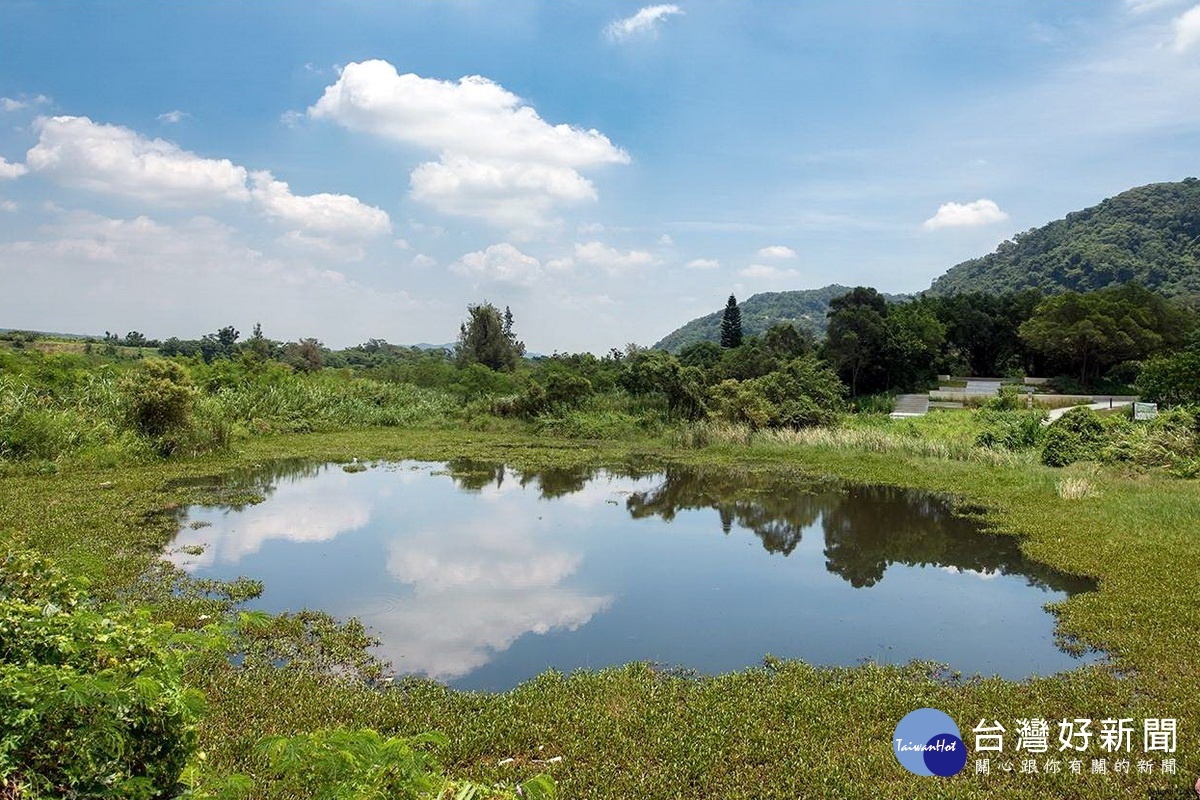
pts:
[1076, 488]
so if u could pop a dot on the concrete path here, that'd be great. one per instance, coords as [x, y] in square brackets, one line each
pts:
[1101, 405]
[984, 387]
[910, 405]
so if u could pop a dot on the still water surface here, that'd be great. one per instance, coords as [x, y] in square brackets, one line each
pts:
[481, 576]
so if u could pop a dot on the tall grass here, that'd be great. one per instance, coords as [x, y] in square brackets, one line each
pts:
[57, 408]
[898, 440]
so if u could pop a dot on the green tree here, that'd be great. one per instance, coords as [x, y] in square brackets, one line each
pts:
[487, 338]
[857, 339]
[731, 324]
[1088, 333]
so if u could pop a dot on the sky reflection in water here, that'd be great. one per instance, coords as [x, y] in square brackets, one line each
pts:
[482, 577]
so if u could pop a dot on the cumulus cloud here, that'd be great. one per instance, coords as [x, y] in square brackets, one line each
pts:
[514, 193]
[17, 104]
[766, 272]
[499, 263]
[611, 260]
[644, 23]
[966, 215]
[227, 278]
[497, 159]
[116, 160]
[9, 171]
[703, 263]
[331, 214]
[1187, 29]
[777, 251]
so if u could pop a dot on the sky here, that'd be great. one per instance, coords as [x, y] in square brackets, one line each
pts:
[355, 169]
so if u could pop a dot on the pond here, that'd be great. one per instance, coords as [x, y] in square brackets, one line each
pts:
[481, 576]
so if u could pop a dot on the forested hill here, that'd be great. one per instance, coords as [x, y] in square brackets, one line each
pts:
[1150, 234]
[804, 308]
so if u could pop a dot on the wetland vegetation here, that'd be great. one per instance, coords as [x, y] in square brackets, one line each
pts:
[104, 452]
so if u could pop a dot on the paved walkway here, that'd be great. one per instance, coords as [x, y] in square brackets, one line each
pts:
[910, 405]
[1106, 403]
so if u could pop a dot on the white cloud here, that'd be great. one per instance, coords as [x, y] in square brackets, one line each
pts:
[777, 251]
[611, 260]
[1187, 29]
[9, 170]
[760, 272]
[9, 206]
[172, 117]
[703, 263]
[116, 160]
[15, 104]
[333, 214]
[226, 279]
[1138, 6]
[499, 263]
[965, 215]
[513, 194]
[322, 246]
[498, 160]
[644, 23]
[666, 241]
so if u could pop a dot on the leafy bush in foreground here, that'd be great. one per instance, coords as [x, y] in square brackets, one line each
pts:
[1077, 435]
[92, 699]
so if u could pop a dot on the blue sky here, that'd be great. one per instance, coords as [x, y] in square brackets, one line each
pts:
[360, 168]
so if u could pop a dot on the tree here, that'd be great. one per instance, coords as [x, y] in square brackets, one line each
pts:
[1088, 333]
[306, 355]
[731, 324]
[856, 341]
[487, 338]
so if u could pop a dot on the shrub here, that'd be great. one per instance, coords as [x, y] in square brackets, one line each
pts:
[1012, 430]
[804, 393]
[159, 395]
[1077, 435]
[362, 764]
[92, 698]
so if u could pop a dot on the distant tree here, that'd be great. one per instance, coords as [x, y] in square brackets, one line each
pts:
[786, 342]
[1088, 333]
[487, 338]
[731, 324]
[306, 355]
[135, 339]
[914, 341]
[703, 354]
[856, 341]
[258, 346]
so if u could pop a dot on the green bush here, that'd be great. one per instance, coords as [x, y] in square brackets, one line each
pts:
[92, 697]
[363, 765]
[1011, 430]
[1077, 435]
[159, 401]
[803, 393]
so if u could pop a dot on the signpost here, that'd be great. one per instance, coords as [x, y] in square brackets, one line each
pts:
[1144, 411]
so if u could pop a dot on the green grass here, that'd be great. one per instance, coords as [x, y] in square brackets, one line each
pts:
[784, 731]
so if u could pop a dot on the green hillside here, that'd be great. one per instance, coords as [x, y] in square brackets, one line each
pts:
[804, 308]
[1150, 234]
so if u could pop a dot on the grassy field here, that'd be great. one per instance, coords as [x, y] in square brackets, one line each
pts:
[785, 730]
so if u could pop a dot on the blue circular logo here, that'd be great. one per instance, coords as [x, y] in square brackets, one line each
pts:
[927, 742]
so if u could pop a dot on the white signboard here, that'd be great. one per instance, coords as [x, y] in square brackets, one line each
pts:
[1145, 411]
